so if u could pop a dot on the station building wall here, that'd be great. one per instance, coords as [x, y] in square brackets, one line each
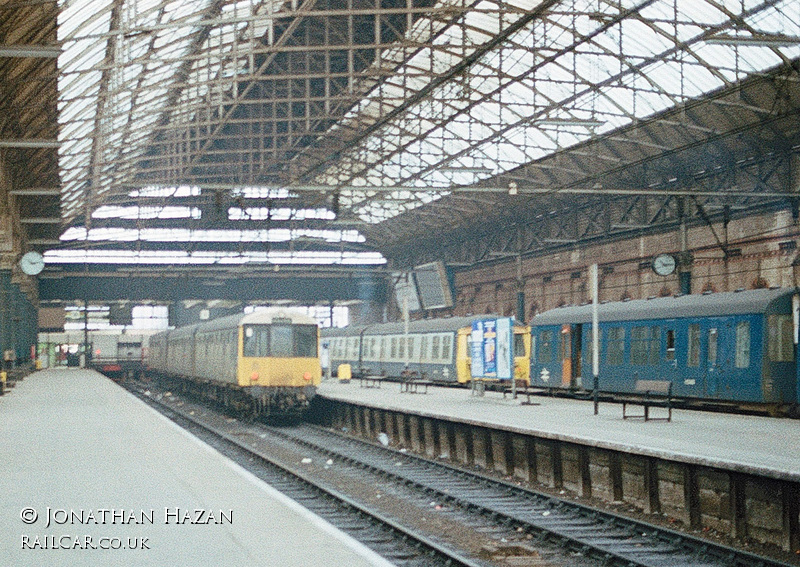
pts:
[761, 253]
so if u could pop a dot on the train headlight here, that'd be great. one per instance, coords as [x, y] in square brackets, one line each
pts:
[254, 377]
[307, 376]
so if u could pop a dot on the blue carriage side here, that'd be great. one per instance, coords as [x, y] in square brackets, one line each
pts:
[733, 347]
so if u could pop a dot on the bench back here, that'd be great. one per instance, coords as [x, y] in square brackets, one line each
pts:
[660, 386]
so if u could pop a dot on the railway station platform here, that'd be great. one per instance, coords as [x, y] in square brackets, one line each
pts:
[749, 444]
[737, 475]
[92, 476]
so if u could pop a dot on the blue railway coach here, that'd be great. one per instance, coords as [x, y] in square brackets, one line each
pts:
[737, 347]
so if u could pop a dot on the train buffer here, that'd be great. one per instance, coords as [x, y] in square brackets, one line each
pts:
[415, 386]
[653, 393]
[370, 381]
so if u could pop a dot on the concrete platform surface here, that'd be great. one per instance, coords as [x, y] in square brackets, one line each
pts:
[755, 445]
[121, 485]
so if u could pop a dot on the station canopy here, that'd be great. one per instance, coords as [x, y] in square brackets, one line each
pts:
[309, 131]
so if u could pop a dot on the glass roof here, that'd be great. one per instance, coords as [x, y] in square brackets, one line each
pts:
[586, 68]
[461, 93]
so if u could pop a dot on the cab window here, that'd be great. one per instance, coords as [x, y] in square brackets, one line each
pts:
[256, 340]
[305, 341]
[519, 345]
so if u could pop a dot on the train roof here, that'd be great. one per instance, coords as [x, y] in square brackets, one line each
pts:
[705, 305]
[446, 324]
[262, 317]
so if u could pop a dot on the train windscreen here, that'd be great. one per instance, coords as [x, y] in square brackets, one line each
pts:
[280, 341]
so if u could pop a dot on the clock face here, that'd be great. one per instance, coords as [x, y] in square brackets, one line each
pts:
[32, 263]
[664, 264]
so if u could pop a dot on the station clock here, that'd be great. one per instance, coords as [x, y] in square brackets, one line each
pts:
[664, 264]
[32, 263]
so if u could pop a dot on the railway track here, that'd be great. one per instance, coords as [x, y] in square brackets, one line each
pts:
[612, 539]
[583, 535]
[396, 543]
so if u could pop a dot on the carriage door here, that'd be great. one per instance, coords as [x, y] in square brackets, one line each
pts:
[570, 365]
[713, 360]
[577, 357]
[694, 375]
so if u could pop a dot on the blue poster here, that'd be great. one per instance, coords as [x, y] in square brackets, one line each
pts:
[491, 349]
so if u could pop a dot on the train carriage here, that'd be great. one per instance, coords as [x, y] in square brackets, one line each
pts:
[736, 347]
[432, 349]
[266, 362]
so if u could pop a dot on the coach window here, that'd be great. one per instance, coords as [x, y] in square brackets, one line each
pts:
[435, 340]
[545, 346]
[410, 347]
[780, 338]
[401, 348]
[743, 344]
[256, 340]
[393, 353]
[639, 345]
[693, 350]
[446, 348]
[645, 345]
[423, 349]
[587, 349]
[615, 346]
[670, 344]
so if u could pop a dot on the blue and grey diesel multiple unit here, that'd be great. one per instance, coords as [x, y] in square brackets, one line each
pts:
[736, 347]
[433, 349]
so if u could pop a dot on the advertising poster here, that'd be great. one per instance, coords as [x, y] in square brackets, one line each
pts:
[476, 349]
[490, 348]
[505, 365]
[491, 344]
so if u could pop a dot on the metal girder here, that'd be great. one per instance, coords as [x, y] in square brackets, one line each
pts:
[20, 50]
[578, 223]
[40, 220]
[238, 247]
[37, 192]
[30, 144]
[96, 285]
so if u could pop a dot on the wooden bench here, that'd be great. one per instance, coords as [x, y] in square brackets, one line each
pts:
[413, 386]
[370, 381]
[654, 393]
